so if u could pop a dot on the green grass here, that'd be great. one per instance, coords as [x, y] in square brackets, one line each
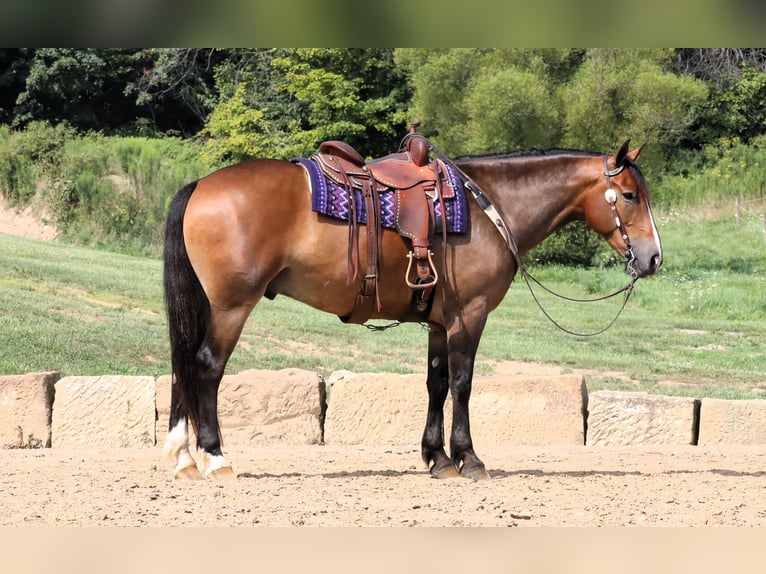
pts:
[696, 329]
[78, 311]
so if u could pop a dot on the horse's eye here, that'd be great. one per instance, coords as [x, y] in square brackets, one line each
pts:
[629, 196]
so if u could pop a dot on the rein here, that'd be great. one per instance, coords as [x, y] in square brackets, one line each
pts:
[489, 209]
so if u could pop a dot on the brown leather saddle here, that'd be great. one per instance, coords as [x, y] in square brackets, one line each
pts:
[417, 181]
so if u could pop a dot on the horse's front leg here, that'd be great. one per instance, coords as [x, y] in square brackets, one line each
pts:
[432, 445]
[462, 353]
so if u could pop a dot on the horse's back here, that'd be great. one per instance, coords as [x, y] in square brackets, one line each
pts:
[256, 180]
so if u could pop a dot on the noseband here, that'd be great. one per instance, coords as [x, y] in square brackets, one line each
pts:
[611, 198]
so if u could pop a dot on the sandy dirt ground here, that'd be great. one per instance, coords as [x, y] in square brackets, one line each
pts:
[24, 223]
[384, 486]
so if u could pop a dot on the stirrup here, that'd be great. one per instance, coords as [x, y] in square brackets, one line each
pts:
[427, 285]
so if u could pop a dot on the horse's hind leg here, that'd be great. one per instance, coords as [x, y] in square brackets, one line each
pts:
[432, 445]
[223, 332]
[176, 445]
[208, 364]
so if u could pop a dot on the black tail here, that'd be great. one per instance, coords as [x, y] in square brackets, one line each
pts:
[188, 308]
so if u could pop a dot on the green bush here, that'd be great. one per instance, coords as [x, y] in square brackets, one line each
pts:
[29, 158]
[574, 245]
[723, 170]
[100, 191]
[119, 189]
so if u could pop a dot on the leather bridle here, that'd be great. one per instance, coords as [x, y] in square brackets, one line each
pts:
[611, 198]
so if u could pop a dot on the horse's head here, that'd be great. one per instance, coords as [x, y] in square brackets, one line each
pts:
[617, 207]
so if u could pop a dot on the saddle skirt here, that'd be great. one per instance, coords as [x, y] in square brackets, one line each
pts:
[330, 197]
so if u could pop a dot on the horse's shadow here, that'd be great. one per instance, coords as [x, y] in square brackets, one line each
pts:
[333, 475]
[497, 473]
[500, 473]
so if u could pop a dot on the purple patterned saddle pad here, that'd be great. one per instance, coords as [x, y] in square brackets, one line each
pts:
[331, 199]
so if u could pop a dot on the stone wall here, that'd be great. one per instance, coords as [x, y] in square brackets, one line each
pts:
[293, 406]
[375, 408]
[25, 409]
[103, 411]
[616, 418]
[260, 407]
[732, 422]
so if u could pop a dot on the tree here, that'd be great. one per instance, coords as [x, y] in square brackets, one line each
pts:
[85, 88]
[440, 79]
[178, 86]
[718, 66]
[481, 100]
[13, 71]
[111, 90]
[511, 108]
[305, 96]
[625, 93]
[736, 107]
[234, 131]
[351, 94]
[513, 101]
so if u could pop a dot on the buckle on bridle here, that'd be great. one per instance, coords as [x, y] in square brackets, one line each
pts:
[612, 172]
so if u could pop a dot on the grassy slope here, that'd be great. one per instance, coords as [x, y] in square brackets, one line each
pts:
[698, 328]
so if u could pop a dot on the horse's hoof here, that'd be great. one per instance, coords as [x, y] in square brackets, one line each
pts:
[223, 473]
[189, 473]
[475, 472]
[444, 471]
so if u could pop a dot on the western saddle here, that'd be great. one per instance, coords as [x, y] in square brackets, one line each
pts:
[417, 181]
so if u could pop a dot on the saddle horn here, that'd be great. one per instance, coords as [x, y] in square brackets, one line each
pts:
[417, 146]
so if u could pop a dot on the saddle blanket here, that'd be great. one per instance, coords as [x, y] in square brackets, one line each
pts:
[331, 199]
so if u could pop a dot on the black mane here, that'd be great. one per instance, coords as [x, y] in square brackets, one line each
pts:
[552, 152]
[532, 152]
[537, 152]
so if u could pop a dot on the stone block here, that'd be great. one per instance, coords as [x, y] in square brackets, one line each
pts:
[104, 411]
[528, 410]
[25, 409]
[741, 422]
[376, 409]
[258, 407]
[637, 418]
[381, 408]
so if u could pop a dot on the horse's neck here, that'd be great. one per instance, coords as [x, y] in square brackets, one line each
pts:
[537, 196]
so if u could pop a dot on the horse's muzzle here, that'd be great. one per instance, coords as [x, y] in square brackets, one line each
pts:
[646, 260]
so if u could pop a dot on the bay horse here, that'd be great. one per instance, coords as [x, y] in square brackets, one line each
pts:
[248, 230]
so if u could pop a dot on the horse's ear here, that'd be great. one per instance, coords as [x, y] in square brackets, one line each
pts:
[619, 157]
[636, 152]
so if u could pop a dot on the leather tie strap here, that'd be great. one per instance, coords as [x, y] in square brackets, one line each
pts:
[368, 293]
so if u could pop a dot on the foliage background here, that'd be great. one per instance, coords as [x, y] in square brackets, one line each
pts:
[100, 139]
